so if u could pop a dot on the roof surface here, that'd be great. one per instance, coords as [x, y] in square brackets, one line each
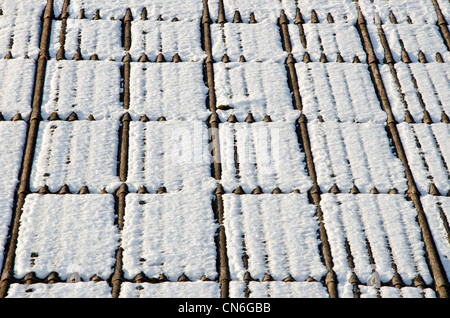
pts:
[225, 148]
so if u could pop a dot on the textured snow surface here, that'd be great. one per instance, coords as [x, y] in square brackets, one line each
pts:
[415, 38]
[259, 88]
[386, 224]
[343, 11]
[427, 149]
[12, 143]
[420, 11]
[262, 154]
[84, 87]
[79, 153]
[278, 289]
[419, 83]
[170, 234]
[173, 90]
[173, 154]
[16, 76]
[187, 10]
[61, 290]
[101, 37]
[264, 10]
[338, 92]
[168, 38]
[348, 154]
[20, 27]
[269, 11]
[6, 206]
[346, 291]
[52, 238]
[276, 233]
[256, 42]
[331, 39]
[170, 290]
[437, 211]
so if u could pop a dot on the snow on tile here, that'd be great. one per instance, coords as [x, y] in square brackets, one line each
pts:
[168, 38]
[16, 75]
[391, 292]
[256, 42]
[187, 10]
[420, 11]
[83, 87]
[342, 11]
[173, 90]
[6, 207]
[67, 234]
[264, 10]
[262, 154]
[79, 153]
[101, 37]
[331, 39]
[12, 143]
[427, 149]
[61, 290]
[173, 154]
[415, 38]
[196, 289]
[275, 289]
[338, 92]
[32, 8]
[385, 222]
[259, 88]
[20, 27]
[171, 234]
[437, 211]
[432, 85]
[278, 234]
[348, 154]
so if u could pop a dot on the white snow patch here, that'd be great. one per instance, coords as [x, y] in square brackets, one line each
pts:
[386, 223]
[76, 153]
[173, 90]
[61, 290]
[168, 38]
[332, 38]
[16, 87]
[6, 206]
[173, 154]
[275, 289]
[348, 154]
[256, 42]
[259, 88]
[427, 149]
[342, 11]
[20, 28]
[338, 92]
[420, 11]
[265, 11]
[170, 234]
[83, 87]
[101, 37]
[280, 234]
[12, 143]
[170, 290]
[433, 85]
[437, 209]
[186, 10]
[67, 234]
[266, 155]
[415, 38]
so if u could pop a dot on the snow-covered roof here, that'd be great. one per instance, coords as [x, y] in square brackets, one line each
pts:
[224, 148]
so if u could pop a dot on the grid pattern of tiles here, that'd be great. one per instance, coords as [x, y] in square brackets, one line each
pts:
[224, 148]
